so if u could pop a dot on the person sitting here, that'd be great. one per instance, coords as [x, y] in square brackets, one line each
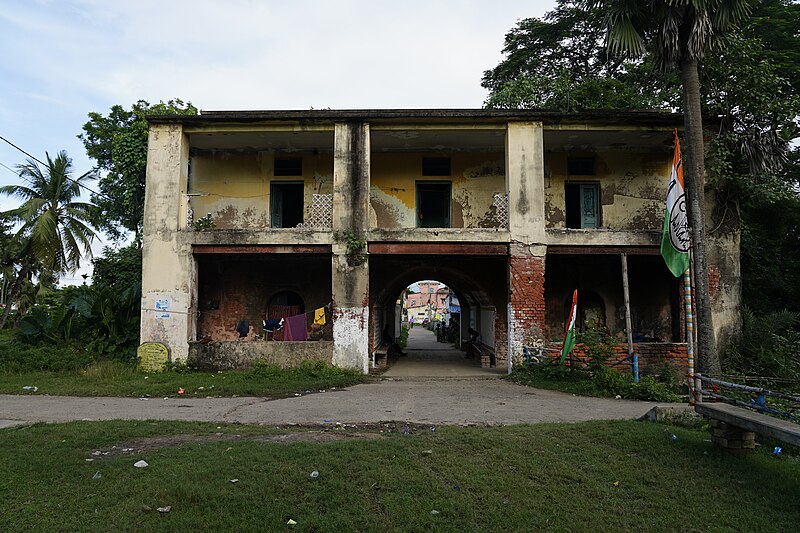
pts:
[388, 340]
[474, 338]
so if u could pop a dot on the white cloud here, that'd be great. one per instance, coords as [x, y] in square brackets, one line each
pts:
[60, 59]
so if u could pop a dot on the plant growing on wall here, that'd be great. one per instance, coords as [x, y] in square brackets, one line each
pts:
[203, 223]
[356, 246]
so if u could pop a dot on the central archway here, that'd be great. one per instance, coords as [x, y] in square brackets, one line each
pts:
[479, 283]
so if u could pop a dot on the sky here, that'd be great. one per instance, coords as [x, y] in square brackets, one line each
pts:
[61, 59]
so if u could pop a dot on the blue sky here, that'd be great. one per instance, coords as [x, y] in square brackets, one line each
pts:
[61, 59]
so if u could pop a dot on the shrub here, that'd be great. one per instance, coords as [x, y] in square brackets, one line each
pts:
[768, 347]
[20, 355]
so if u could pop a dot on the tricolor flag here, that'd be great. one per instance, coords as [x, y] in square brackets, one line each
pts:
[569, 331]
[675, 239]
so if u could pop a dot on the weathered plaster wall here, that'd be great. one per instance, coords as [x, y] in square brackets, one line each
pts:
[168, 266]
[242, 354]
[724, 270]
[475, 178]
[632, 188]
[235, 186]
[231, 289]
[350, 281]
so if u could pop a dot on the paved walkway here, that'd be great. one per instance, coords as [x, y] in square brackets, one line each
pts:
[430, 359]
[445, 402]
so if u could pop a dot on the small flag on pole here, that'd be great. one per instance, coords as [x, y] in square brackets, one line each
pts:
[319, 316]
[569, 332]
[675, 238]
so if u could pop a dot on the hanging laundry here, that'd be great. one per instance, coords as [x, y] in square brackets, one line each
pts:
[243, 328]
[295, 328]
[272, 325]
[319, 316]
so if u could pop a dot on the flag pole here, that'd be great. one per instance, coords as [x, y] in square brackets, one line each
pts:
[687, 306]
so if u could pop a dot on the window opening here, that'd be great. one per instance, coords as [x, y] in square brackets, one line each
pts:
[286, 204]
[288, 166]
[582, 202]
[433, 204]
[284, 304]
[435, 166]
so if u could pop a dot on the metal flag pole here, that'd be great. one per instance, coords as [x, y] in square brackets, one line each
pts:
[687, 306]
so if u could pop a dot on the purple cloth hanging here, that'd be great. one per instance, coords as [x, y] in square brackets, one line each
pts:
[294, 328]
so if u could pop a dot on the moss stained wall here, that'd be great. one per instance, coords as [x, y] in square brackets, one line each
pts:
[475, 178]
[633, 187]
[235, 186]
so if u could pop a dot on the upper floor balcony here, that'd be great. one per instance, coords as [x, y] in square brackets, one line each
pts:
[274, 182]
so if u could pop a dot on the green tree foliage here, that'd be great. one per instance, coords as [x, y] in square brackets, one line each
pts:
[118, 269]
[54, 229]
[775, 23]
[118, 143]
[561, 62]
[56, 224]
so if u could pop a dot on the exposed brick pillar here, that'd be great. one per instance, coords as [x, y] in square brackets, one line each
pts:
[526, 297]
[526, 226]
[501, 339]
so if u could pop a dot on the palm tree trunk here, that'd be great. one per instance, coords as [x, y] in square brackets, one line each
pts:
[694, 174]
[14, 292]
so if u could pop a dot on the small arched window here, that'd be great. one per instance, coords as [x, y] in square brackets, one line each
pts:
[284, 304]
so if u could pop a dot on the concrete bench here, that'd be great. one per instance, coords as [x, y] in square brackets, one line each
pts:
[734, 428]
[380, 356]
[485, 354]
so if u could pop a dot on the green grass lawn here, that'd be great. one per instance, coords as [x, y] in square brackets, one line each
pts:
[600, 476]
[116, 379]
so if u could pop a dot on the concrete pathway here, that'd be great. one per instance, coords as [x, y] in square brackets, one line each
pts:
[429, 358]
[445, 402]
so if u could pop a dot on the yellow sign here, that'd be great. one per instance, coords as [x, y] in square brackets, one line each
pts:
[152, 356]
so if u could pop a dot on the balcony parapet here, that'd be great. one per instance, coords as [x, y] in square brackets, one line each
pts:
[439, 235]
[602, 237]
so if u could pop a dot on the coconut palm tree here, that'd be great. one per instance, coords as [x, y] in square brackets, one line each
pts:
[680, 33]
[54, 231]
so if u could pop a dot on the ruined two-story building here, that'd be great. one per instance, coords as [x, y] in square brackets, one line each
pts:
[256, 215]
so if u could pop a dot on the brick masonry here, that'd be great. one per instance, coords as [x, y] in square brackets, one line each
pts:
[526, 304]
[653, 356]
[730, 437]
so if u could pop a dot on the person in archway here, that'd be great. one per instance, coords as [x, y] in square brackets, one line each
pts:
[388, 340]
[474, 338]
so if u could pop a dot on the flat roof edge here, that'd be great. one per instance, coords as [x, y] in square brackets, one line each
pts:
[637, 116]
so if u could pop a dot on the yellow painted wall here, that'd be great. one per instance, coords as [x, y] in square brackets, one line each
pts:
[475, 178]
[633, 188]
[235, 187]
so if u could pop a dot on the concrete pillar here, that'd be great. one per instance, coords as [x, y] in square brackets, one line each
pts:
[525, 182]
[168, 268]
[350, 281]
[526, 224]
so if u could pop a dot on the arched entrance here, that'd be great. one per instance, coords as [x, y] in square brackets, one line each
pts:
[478, 283]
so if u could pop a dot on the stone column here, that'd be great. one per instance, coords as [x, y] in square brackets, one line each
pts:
[526, 224]
[350, 270]
[167, 263]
